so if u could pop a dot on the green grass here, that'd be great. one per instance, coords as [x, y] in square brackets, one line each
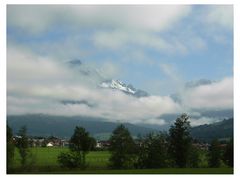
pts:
[48, 157]
[45, 162]
[158, 171]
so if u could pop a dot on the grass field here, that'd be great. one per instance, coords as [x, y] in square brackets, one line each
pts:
[47, 157]
[45, 161]
[154, 171]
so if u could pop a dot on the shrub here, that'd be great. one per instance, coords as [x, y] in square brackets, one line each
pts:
[69, 160]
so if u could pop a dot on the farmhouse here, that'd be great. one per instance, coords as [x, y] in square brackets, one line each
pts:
[50, 144]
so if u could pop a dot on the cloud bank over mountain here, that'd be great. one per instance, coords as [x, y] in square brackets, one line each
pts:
[39, 85]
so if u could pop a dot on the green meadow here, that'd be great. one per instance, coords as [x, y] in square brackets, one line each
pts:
[47, 157]
[44, 161]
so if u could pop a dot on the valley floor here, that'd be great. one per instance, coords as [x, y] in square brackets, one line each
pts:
[44, 161]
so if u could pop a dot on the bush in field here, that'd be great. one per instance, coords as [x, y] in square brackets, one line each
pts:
[80, 144]
[69, 160]
[214, 154]
[10, 148]
[122, 149]
[153, 151]
[180, 141]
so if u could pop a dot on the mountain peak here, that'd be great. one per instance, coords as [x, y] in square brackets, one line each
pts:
[119, 85]
[98, 79]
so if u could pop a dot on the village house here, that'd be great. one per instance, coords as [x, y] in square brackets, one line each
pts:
[103, 144]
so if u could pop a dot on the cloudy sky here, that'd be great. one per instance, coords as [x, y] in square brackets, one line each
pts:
[181, 55]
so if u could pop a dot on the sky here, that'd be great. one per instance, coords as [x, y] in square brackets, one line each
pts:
[184, 51]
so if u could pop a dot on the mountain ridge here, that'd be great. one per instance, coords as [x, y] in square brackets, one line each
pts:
[218, 130]
[62, 126]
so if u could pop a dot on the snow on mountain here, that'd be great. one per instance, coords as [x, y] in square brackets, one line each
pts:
[97, 78]
[119, 85]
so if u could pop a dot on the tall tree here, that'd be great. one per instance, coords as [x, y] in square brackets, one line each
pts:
[122, 148]
[153, 151]
[228, 153]
[214, 154]
[22, 145]
[180, 141]
[81, 143]
[10, 148]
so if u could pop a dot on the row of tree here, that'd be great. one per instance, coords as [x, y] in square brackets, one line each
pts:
[161, 150]
[155, 150]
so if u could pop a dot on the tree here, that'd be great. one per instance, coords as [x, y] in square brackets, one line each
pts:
[122, 148]
[214, 154]
[10, 148]
[153, 151]
[80, 144]
[194, 157]
[22, 145]
[228, 153]
[180, 141]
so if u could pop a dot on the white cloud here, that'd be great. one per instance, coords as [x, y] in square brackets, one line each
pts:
[112, 105]
[137, 56]
[120, 26]
[73, 45]
[121, 40]
[37, 18]
[216, 22]
[170, 72]
[37, 85]
[173, 81]
[29, 66]
[154, 121]
[217, 95]
[109, 69]
[220, 15]
[202, 121]
[118, 39]
[112, 40]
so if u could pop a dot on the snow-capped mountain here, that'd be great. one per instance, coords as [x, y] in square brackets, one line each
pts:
[96, 77]
[119, 85]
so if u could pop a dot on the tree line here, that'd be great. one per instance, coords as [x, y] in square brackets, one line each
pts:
[163, 150]
[154, 150]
